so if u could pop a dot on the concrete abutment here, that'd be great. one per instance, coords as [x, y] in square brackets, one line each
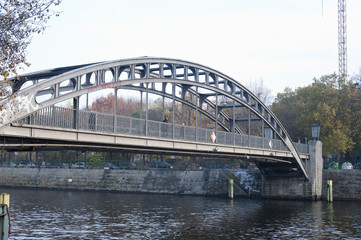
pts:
[299, 188]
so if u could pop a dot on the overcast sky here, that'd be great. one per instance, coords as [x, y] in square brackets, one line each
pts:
[283, 42]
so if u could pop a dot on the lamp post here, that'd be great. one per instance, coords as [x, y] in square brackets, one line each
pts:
[315, 129]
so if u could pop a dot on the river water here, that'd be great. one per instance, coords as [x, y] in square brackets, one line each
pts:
[38, 214]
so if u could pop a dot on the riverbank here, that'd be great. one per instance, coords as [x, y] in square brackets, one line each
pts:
[346, 183]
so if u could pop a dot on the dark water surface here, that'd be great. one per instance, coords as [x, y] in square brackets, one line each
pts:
[38, 214]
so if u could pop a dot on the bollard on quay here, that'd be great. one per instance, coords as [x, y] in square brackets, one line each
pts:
[4, 216]
[230, 188]
[329, 191]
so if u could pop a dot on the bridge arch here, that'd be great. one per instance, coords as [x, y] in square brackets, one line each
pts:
[205, 85]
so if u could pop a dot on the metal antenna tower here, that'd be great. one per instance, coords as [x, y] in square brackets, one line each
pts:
[342, 39]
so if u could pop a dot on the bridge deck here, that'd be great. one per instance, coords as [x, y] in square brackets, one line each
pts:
[56, 127]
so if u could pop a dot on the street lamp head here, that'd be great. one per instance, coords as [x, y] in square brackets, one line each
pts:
[315, 129]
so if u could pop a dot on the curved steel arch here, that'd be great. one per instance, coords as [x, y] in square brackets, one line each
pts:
[71, 82]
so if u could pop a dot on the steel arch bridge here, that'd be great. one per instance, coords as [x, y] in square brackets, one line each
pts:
[209, 93]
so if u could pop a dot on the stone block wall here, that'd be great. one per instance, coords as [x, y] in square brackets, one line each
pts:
[198, 182]
[346, 184]
[287, 188]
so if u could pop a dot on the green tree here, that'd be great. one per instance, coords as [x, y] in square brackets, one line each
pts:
[96, 159]
[284, 107]
[330, 101]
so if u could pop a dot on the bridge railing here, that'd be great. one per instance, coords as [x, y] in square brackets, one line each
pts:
[102, 122]
[301, 147]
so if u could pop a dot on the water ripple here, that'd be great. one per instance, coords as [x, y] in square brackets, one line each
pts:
[91, 215]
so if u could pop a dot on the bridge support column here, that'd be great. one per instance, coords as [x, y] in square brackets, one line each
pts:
[314, 167]
[293, 187]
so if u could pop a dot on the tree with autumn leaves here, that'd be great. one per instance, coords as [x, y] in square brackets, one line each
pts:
[19, 21]
[332, 102]
[130, 107]
[125, 107]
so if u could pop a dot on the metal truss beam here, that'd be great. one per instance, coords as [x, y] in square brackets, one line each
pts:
[204, 83]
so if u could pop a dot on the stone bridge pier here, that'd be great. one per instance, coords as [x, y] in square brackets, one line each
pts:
[299, 187]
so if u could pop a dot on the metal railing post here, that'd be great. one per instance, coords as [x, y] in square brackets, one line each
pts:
[76, 112]
[146, 109]
[115, 108]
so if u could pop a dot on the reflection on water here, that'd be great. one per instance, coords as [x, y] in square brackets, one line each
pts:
[40, 214]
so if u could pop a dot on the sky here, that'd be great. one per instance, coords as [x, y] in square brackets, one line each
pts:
[284, 43]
